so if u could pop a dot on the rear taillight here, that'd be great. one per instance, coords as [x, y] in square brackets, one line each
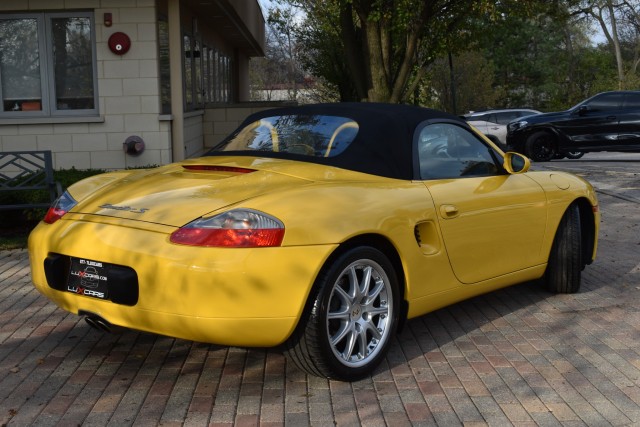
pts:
[60, 207]
[239, 228]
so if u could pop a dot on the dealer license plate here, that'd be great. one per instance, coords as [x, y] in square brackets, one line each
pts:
[89, 278]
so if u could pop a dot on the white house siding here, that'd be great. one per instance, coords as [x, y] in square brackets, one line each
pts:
[128, 90]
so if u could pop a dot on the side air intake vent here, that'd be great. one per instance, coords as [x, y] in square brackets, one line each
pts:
[427, 237]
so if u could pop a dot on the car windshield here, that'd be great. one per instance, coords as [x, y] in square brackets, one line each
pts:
[308, 135]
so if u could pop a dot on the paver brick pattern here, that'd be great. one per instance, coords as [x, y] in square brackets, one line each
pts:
[519, 356]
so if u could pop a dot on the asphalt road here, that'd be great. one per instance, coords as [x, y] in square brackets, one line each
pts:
[519, 356]
[616, 174]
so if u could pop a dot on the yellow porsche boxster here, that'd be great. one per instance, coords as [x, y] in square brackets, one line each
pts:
[320, 228]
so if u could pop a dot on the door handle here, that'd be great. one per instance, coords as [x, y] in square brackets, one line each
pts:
[449, 211]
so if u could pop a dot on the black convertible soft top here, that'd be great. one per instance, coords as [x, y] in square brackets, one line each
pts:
[382, 146]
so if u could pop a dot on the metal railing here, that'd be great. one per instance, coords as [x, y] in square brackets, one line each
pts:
[27, 170]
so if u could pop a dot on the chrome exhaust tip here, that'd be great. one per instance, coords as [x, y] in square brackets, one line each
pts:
[97, 322]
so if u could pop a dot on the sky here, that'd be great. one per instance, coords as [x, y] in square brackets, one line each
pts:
[596, 38]
[265, 4]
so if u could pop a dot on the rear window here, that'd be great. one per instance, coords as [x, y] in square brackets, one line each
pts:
[308, 135]
[632, 100]
[605, 101]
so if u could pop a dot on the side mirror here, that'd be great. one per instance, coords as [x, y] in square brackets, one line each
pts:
[515, 163]
[582, 110]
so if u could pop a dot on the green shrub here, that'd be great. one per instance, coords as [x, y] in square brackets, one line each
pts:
[16, 224]
[16, 218]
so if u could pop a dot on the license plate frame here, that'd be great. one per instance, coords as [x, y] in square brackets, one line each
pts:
[89, 278]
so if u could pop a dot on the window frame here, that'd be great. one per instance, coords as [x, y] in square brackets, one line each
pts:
[595, 103]
[631, 100]
[187, 70]
[506, 117]
[279, 135]
[496, 157]
[207, 76]
[47, 68]
[198, 74]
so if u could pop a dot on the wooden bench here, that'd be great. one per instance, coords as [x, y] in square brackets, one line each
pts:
[28, 170]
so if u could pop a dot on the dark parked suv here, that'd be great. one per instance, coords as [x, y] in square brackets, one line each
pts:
[609, 121]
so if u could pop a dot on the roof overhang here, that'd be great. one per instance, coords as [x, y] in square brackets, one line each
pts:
[239, 22]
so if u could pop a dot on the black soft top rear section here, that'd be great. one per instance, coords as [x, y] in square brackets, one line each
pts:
[383, 145]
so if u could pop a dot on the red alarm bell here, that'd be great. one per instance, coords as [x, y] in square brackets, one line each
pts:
[119, 43]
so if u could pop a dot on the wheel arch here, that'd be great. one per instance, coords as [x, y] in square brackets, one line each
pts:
[587, 228]
[545, 127]
[385, 246]
[303, 346]
[560, 138]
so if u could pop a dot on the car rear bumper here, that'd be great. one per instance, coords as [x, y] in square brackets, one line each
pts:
[243, 297]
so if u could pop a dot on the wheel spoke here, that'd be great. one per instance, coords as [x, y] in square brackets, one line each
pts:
[342, 311]
[374, 294]
[339, 315]
[344, 296]
[362, 342]
[363, 288]
[353, 283]
[374, 311]
[351, 343]
[374, 331]
[342, 332]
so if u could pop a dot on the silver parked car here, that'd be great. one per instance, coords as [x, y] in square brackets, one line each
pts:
[493, 123]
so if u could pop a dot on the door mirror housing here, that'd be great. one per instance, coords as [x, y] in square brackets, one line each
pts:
[582, 110]
[516, 163]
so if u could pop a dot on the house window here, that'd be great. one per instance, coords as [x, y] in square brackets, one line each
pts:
[207, 76]
[47, 65]
[193, 73]
[219, 76]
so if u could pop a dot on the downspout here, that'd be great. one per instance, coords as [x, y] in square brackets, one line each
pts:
[175, 67]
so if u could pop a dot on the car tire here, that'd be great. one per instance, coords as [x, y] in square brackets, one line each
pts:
[565, 261]
[574, 155]
[351, 317]
[541, 146]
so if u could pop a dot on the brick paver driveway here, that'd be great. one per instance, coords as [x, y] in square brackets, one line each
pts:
[518, 356]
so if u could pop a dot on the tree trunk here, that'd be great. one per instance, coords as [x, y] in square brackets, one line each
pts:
[379, 90]
[404, 72]
[612, 37]
[571, 66]
[353, 51]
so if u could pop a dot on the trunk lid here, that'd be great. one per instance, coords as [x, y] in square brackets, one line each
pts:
[176, 194]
